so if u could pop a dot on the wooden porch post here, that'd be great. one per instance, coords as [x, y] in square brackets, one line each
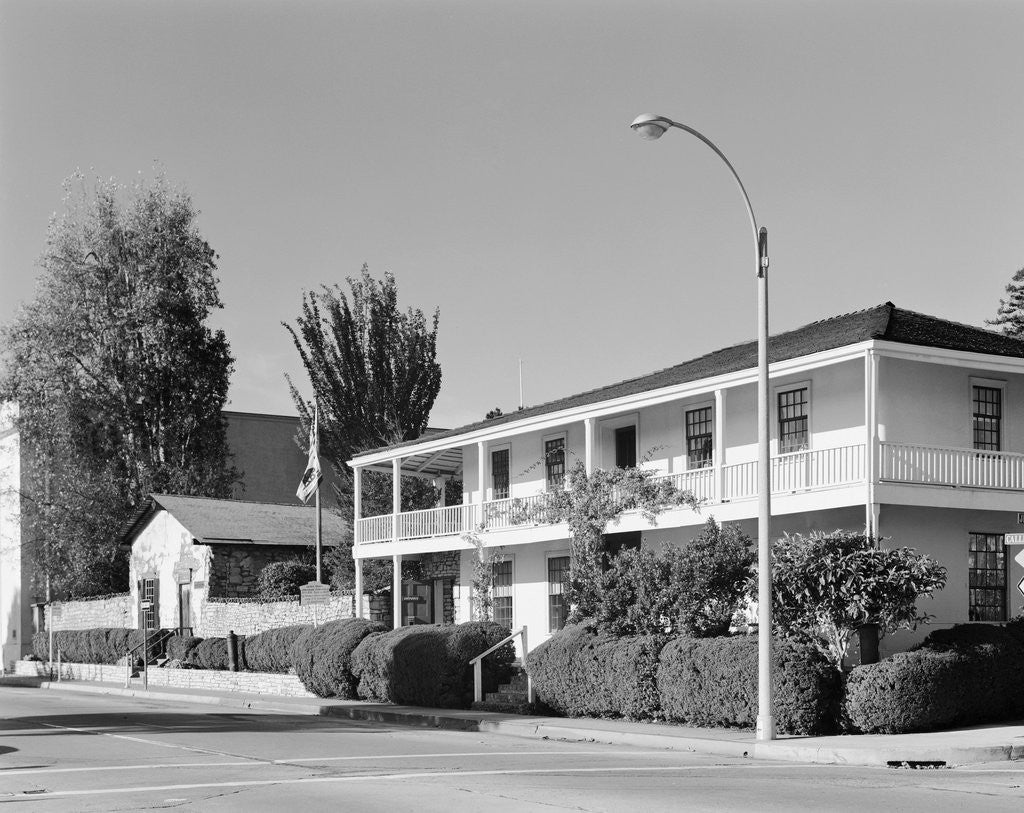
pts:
[396, 591]
[718, 447]
[396, 496]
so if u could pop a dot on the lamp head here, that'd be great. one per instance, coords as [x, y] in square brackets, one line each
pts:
[650, 127]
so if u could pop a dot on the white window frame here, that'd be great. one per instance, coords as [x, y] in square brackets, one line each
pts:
[548, 555]
[498, 447]
[1004, 435]
[564, 435]
[511, 559]
[776, 440]
[686, 451]
[608, 426]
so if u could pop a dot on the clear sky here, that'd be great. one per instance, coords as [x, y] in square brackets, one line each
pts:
[481, 151]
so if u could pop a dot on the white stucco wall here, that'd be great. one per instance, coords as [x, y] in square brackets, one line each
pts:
[156, 550]
[15, 575]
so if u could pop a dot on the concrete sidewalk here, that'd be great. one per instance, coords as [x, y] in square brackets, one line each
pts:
[959, 747]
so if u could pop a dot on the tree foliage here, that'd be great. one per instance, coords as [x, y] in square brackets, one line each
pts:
[693, 590]
[827, 585]
[119, 380]
[589, 503]
[1010, 314]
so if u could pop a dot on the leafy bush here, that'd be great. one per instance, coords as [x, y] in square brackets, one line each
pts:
[285, 578]
[323, 655]
[94, 645]
[580, 671]
[271, 650]
[179, 646]
[428, 665]
[826, 586]
[959, 676]
[713, 682]
[210, 653]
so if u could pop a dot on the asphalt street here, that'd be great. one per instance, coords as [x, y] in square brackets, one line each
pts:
[64, 752]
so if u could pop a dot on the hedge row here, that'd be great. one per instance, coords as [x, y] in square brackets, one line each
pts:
[323, 656]
[271, 650]
[704, 682]
[963, 675]
[95, 645]
[428, 665]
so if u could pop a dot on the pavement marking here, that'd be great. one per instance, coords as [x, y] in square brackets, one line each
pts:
[101, 733]
[95, 768]
[441, 773]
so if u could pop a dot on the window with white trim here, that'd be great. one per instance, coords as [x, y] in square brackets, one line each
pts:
[699, 437]
[554, 462]
[987, 417]
[558, 575]
[986, 585]
[500, 480]
[793, 411]
[501, 592]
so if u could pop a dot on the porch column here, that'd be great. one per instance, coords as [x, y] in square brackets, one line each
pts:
[871, 508]
[589, 425]
[396, 496]
[396, 591]
[357, 502]
[357, 566]
[481, 479]
[718, 447]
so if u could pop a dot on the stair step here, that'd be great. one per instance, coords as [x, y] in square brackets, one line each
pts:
[504, 708]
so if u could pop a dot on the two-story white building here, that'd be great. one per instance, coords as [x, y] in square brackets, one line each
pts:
[908, 425]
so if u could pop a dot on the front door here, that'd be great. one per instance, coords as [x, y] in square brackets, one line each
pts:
[417, 603]
[185, 608]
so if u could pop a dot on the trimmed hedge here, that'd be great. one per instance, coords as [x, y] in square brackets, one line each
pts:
[271, 650]
[964, 675]
[211, 653]
[95, 645]
[428, 665]
[322, 656]
[713, 682]
[582, 672]
[180, 646]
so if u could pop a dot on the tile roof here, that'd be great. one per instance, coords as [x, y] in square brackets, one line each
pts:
[213, 521]
[884, 322]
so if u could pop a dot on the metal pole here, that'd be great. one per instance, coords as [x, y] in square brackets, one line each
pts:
[319, 528]
[765, 719]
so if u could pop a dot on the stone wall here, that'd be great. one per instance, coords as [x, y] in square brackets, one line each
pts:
[235, 570]
[110, 611]
[443, 565]
[250, 617]
[249, 682]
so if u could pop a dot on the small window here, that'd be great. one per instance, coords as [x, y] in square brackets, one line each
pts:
[987, 410]
[793, 411]
[625, 447]
[501, 573]
[148, 613]
[499, 474]
[986, 561]
[698, 438]
[558, 574]
[554, 463]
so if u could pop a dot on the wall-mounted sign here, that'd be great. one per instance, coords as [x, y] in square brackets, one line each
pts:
[1014, 539]
[314, 593]
[1020, 586]
[1020, 517]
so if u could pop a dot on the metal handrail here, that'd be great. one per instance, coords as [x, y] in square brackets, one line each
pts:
[477, 662]
[161, 636]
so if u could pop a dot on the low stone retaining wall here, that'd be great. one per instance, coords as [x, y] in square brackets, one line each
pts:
[250, 617]
[109, 611]
[248, 682]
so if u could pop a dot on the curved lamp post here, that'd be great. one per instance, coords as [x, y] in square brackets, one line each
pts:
[652, 127]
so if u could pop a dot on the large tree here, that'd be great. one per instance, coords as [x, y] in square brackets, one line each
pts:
[373, 371]
[118, 379]
[1010, 314]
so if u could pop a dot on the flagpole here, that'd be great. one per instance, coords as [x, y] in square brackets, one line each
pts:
[319, 529]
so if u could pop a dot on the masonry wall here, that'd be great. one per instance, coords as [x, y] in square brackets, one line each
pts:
[235, 570]
[250, 617]
[111, 611]
[444, 565]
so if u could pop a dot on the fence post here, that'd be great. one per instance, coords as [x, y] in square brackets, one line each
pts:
[58, 665]
[530, 697]
[233, 650]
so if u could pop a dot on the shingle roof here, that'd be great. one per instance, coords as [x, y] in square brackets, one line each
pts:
[884, 322]
[212, 521]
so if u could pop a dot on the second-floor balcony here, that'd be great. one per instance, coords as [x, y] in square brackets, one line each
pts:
[797, 472]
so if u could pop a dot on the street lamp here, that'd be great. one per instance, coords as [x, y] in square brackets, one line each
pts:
[652, 128]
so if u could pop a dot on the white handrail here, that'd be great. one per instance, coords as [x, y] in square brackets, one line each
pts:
[478, 677]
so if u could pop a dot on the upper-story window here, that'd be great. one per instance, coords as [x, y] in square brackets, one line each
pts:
[698, 438]
[625, 447]
[499, 474]
[554, 462]
[987, 422]
[793, 408]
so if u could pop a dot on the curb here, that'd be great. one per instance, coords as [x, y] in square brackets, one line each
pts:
[796, 750]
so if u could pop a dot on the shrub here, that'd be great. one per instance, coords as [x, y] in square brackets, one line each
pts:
[94, 645]
[582, 672]
[428, 665]
[210, 653]
[285, 578]
[960, 676]
[270, 650]
[713, 682]
[180, 646]
[324, 664]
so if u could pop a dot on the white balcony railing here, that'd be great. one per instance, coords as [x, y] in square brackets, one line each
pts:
[964, 468]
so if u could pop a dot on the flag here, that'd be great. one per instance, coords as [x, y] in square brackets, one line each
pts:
[312, 476]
